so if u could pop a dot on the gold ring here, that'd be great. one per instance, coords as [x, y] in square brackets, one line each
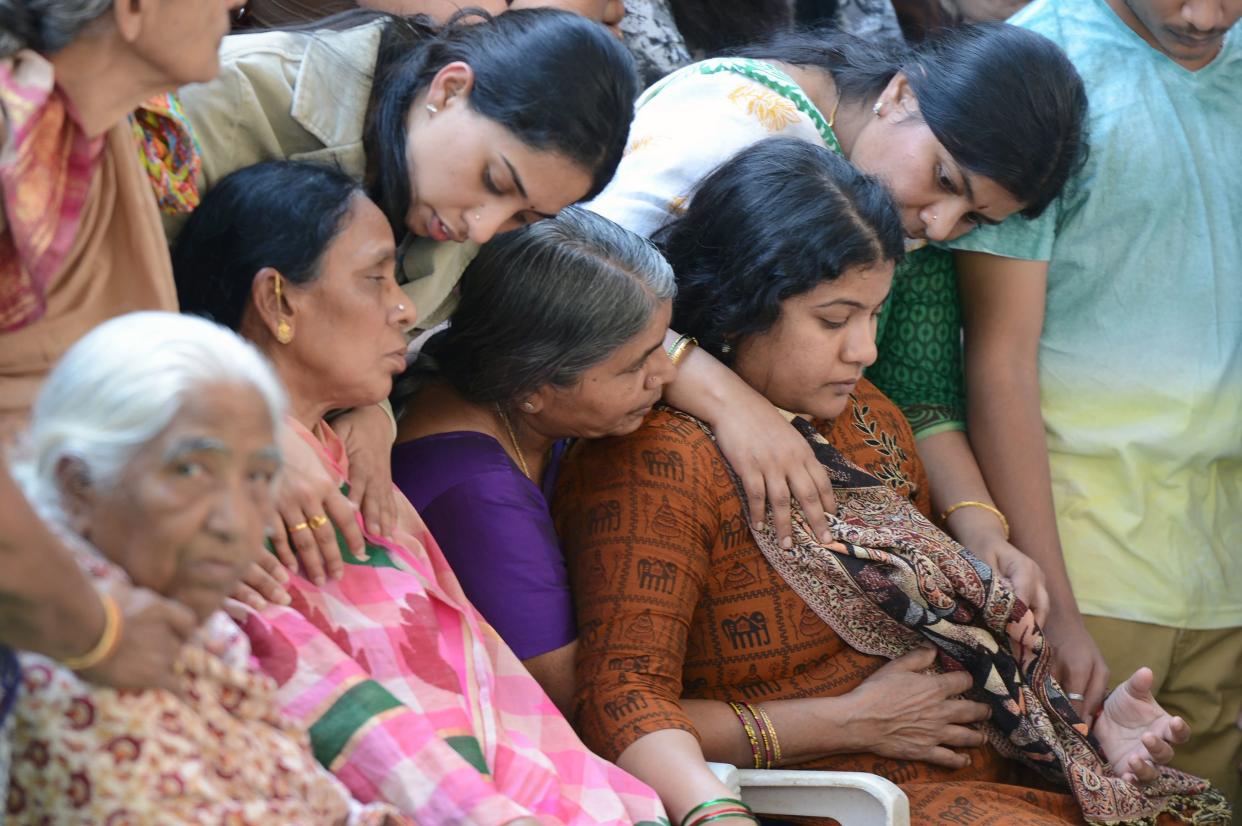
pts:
[317, 522]
[301, 526]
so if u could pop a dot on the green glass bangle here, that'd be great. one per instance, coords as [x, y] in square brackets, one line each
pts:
[723, 815]
[709, 803]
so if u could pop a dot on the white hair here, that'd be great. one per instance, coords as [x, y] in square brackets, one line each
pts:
[121, 385]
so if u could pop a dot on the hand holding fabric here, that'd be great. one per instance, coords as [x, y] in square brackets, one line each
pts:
[902, 713]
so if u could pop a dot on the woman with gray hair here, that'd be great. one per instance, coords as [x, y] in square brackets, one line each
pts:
[152, 449]
[558, 334]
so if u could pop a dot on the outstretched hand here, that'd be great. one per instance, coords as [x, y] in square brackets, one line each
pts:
[1135, 733]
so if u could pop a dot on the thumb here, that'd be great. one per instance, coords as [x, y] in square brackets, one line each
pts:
[916, 659]
[1139, 684]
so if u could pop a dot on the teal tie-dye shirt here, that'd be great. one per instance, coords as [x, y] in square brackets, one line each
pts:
[1140, 362]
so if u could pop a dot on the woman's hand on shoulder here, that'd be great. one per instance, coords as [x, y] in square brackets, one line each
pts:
[901, 713]
[368, 435]
[153, 631]
[309, 509]
[776, 466]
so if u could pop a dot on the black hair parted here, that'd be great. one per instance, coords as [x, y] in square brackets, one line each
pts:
[774, 221]
[558, 81]
[279, 214]
[1004, 101]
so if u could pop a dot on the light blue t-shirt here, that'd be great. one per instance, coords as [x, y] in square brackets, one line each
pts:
[1140, 362]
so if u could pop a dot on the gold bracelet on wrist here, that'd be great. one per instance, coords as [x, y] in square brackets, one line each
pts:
[103, 649]
[970, 503]
[680, 347]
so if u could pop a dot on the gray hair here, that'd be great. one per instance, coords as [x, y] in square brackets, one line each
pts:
[46, 26]
[120, 386]
[543, 304]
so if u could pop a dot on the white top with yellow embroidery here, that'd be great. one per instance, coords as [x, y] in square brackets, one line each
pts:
[691, 122]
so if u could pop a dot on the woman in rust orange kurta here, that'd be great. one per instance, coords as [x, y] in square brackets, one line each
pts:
[683, 607]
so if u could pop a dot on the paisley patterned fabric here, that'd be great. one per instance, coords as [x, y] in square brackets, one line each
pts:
[893, 580]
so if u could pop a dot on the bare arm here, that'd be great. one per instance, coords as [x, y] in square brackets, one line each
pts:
[1003, 315]
[672, 763]
[47, 605]
[897, 712]
[554, 671]
[955, 477]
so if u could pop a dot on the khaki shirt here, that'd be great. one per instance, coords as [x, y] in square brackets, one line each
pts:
[303, 96]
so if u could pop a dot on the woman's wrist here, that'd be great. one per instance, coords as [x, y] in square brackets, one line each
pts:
[105, 645]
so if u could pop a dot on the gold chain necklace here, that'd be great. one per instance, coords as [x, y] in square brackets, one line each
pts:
[513, 441]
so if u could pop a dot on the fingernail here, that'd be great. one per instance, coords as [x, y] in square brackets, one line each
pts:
[827, 537]
[319, 580]
[284, 598]
[338, 574]
[787, 543]
[282, 575]
[757, 526]
[374, 529]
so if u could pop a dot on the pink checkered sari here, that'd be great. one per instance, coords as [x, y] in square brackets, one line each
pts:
[413, 699]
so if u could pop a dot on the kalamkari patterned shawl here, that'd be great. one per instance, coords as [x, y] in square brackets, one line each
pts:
[413, 699]
[893, 581]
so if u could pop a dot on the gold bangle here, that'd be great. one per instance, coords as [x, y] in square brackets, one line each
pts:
[763, 735]
[103, 649]
[680, 347]
[970, 503]
[766, 721]
[740, 711]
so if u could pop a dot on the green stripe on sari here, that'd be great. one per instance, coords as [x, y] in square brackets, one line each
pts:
[470, 750]
[352, 710]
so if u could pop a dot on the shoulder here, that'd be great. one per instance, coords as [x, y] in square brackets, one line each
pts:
[667, 436]
[456, 463]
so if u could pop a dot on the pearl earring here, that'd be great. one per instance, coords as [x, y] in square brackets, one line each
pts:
[528, 407]
[879, 107]
[476, 216]
[432, 109]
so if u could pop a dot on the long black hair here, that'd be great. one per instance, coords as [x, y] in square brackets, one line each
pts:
[1004, 101]
[774, 221]
[557, 81]
[279, 214]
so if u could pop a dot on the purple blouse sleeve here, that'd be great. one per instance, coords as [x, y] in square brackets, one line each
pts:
[497, 533]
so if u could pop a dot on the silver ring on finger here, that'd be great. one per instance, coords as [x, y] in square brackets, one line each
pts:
[1074, 696]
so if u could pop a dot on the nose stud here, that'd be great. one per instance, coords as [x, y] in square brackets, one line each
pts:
[400, 308]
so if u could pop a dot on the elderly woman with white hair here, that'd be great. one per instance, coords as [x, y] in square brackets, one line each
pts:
[152, 449]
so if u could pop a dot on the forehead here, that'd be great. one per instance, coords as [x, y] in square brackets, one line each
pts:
[230, 415]
[866, 286]
[363, 238]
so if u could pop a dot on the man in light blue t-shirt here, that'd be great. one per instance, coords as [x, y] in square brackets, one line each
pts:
[1110, 330]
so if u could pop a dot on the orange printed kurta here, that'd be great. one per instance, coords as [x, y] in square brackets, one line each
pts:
[675, 599]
